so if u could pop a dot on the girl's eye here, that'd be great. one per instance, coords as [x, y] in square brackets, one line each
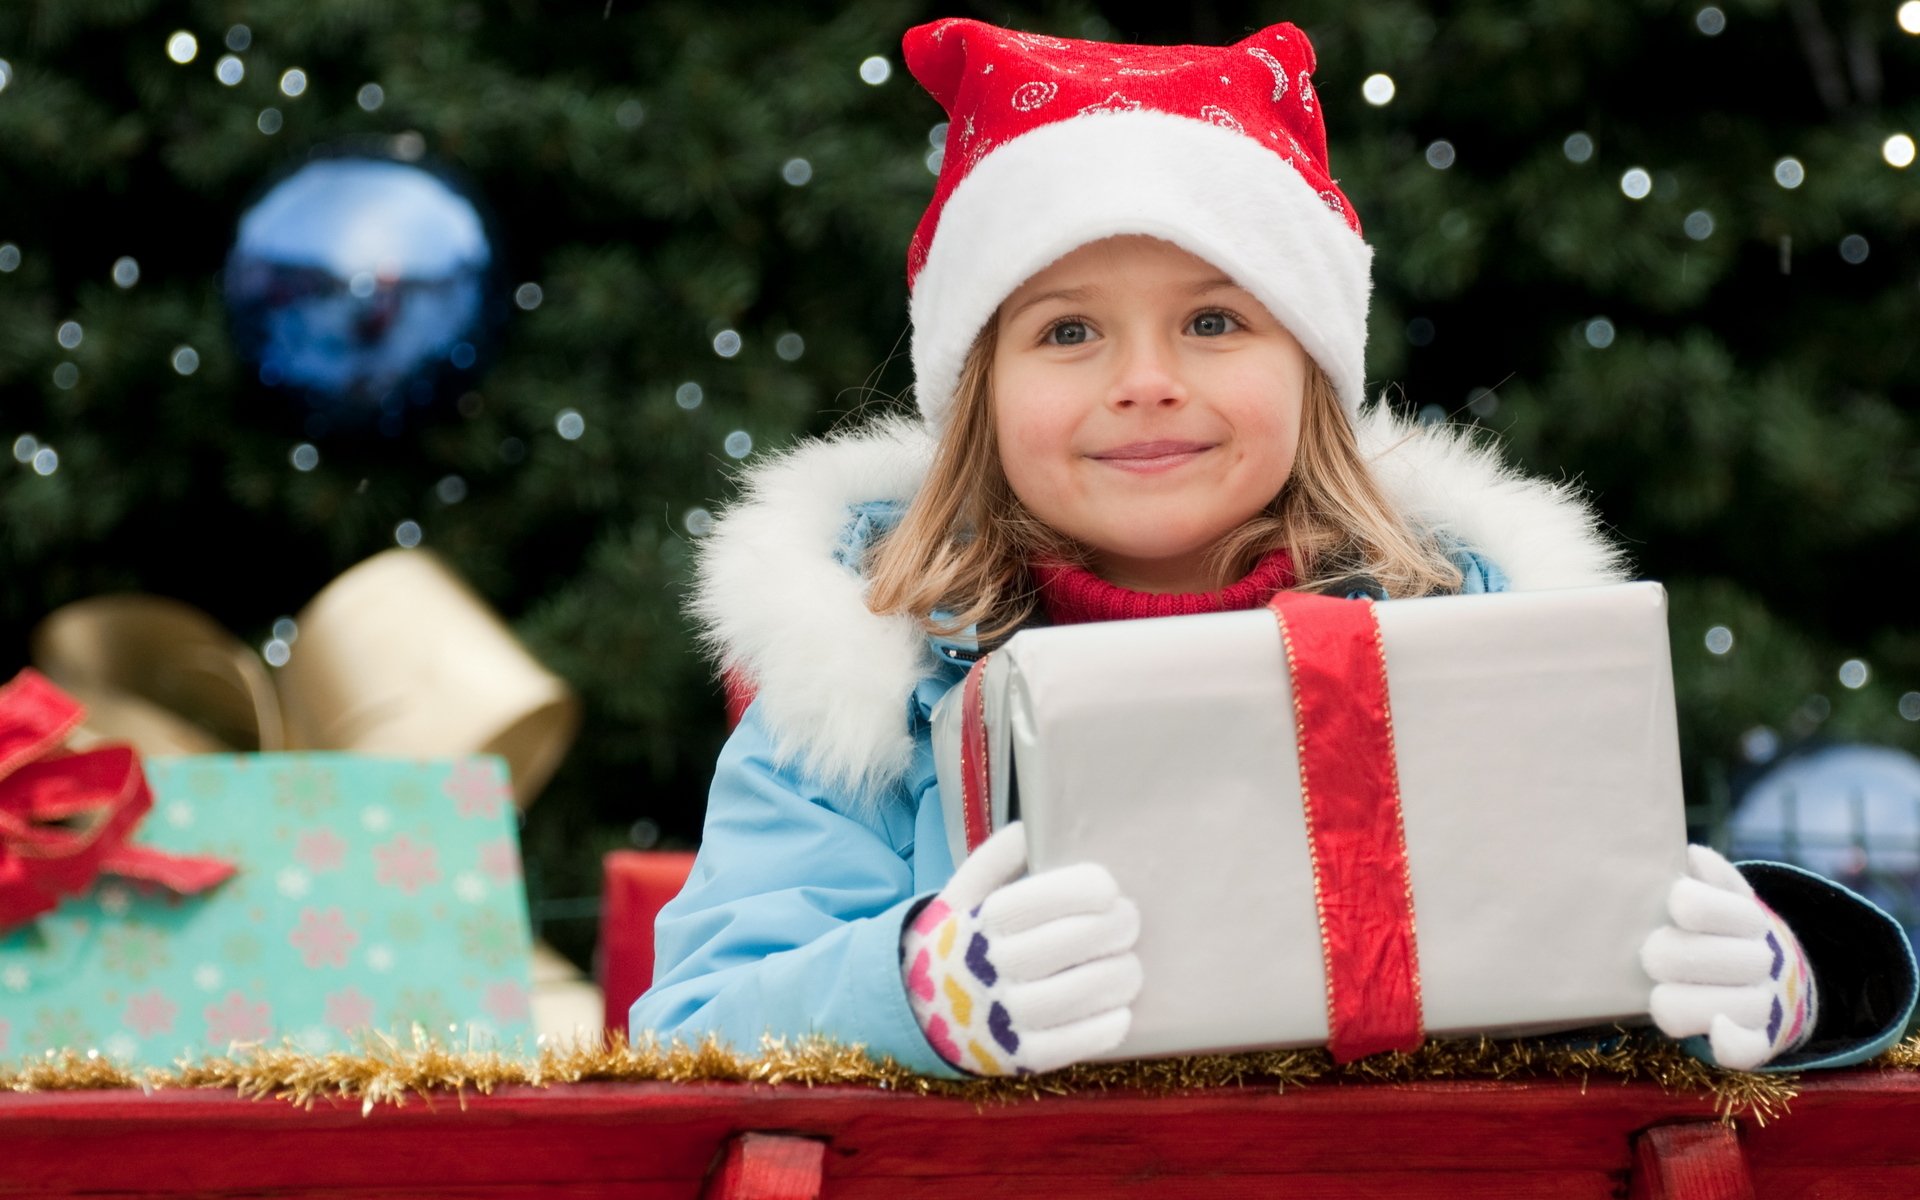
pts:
[1067, 333]
[1213, 324]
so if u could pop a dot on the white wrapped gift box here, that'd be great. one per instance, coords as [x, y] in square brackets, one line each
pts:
[1539, 778]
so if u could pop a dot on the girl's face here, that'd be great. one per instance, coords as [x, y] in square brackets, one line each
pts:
[1145, 406]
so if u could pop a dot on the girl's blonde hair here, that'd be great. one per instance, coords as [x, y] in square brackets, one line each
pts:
[963, 545]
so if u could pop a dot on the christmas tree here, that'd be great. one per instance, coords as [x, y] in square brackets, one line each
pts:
[1661, 250]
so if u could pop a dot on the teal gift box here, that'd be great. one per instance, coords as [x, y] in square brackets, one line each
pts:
[373, 894]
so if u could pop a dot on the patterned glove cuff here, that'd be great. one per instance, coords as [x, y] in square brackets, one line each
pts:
[1795, 1002]
[949, 977]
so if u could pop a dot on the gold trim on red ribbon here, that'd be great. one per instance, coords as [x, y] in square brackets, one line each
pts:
[1356, 837]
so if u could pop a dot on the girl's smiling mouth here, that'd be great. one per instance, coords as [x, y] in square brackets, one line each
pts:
[1149, 457]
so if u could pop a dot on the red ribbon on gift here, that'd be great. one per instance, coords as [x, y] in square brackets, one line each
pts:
[1350, 793]
[66, 819]
[976, 784]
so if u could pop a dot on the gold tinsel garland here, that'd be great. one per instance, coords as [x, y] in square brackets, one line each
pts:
[388, 1072]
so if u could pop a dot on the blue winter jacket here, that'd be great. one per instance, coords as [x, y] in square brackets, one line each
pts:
[790, 923]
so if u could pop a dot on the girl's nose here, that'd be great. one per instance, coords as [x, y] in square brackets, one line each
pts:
[1148, 376]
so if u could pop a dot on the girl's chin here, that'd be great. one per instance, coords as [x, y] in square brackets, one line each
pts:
[1155, 558]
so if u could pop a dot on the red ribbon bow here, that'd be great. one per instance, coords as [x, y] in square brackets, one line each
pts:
[66, 818]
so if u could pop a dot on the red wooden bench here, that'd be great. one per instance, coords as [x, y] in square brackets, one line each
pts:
[1849, 1133]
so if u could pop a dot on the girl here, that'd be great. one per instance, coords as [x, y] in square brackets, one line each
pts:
[1139, 309]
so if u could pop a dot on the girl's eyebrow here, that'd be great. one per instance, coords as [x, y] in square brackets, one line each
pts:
[1070, 295]
[1217, 283]
[1080, 294]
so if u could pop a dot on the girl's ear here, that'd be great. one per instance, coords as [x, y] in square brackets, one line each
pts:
[937, 56]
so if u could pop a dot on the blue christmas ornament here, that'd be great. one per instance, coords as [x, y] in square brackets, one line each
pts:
[362, 288]
[1849, 812]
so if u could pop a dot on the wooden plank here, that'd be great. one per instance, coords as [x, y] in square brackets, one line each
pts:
[1526, 1127]
[1699, 1160]
[188, 1143]
[1843, 1117]
[765, 1166]
[422, 1191]
[1833, 1179]
[1358, 1184]
[671, 1133]
[660, 1140]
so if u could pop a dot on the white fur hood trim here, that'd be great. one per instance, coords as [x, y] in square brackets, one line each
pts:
[833, 679]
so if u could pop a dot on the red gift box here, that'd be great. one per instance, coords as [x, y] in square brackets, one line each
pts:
[638, 883]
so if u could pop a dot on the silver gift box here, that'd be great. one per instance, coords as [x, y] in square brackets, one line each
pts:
[1539, 773]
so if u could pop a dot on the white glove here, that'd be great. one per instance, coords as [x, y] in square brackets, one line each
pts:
[1729, 968]
[1009, 973]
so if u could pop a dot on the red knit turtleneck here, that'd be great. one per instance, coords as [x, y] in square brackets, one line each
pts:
[1072, 595]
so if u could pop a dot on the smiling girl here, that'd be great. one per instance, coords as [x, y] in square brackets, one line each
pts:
[1139, 307]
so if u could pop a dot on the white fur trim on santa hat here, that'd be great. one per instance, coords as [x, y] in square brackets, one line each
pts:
[774, 602]
[1212, 191]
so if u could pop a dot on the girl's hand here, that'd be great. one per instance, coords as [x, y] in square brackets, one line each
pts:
[1729, 968]
[1009, 973]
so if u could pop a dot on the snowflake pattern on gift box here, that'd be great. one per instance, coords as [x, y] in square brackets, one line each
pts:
[506, 1002]
[306, 789]
[292, 882]
[151, 1012]
[321, 850]
[477, 790]
[500, 860]
[316, 932]
[59, 1029]
[408, 794]
[205, 780]
[133, 950]
[323, 938]
[238, 1019]
[424, 1007]
[349, 1009]
[405, 864]
[490, 938]
[241, 948]
[406, 926]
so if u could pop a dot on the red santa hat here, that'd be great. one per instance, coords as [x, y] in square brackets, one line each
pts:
[1053, 143]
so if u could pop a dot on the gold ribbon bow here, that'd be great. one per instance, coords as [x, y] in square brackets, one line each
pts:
[395, 656]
